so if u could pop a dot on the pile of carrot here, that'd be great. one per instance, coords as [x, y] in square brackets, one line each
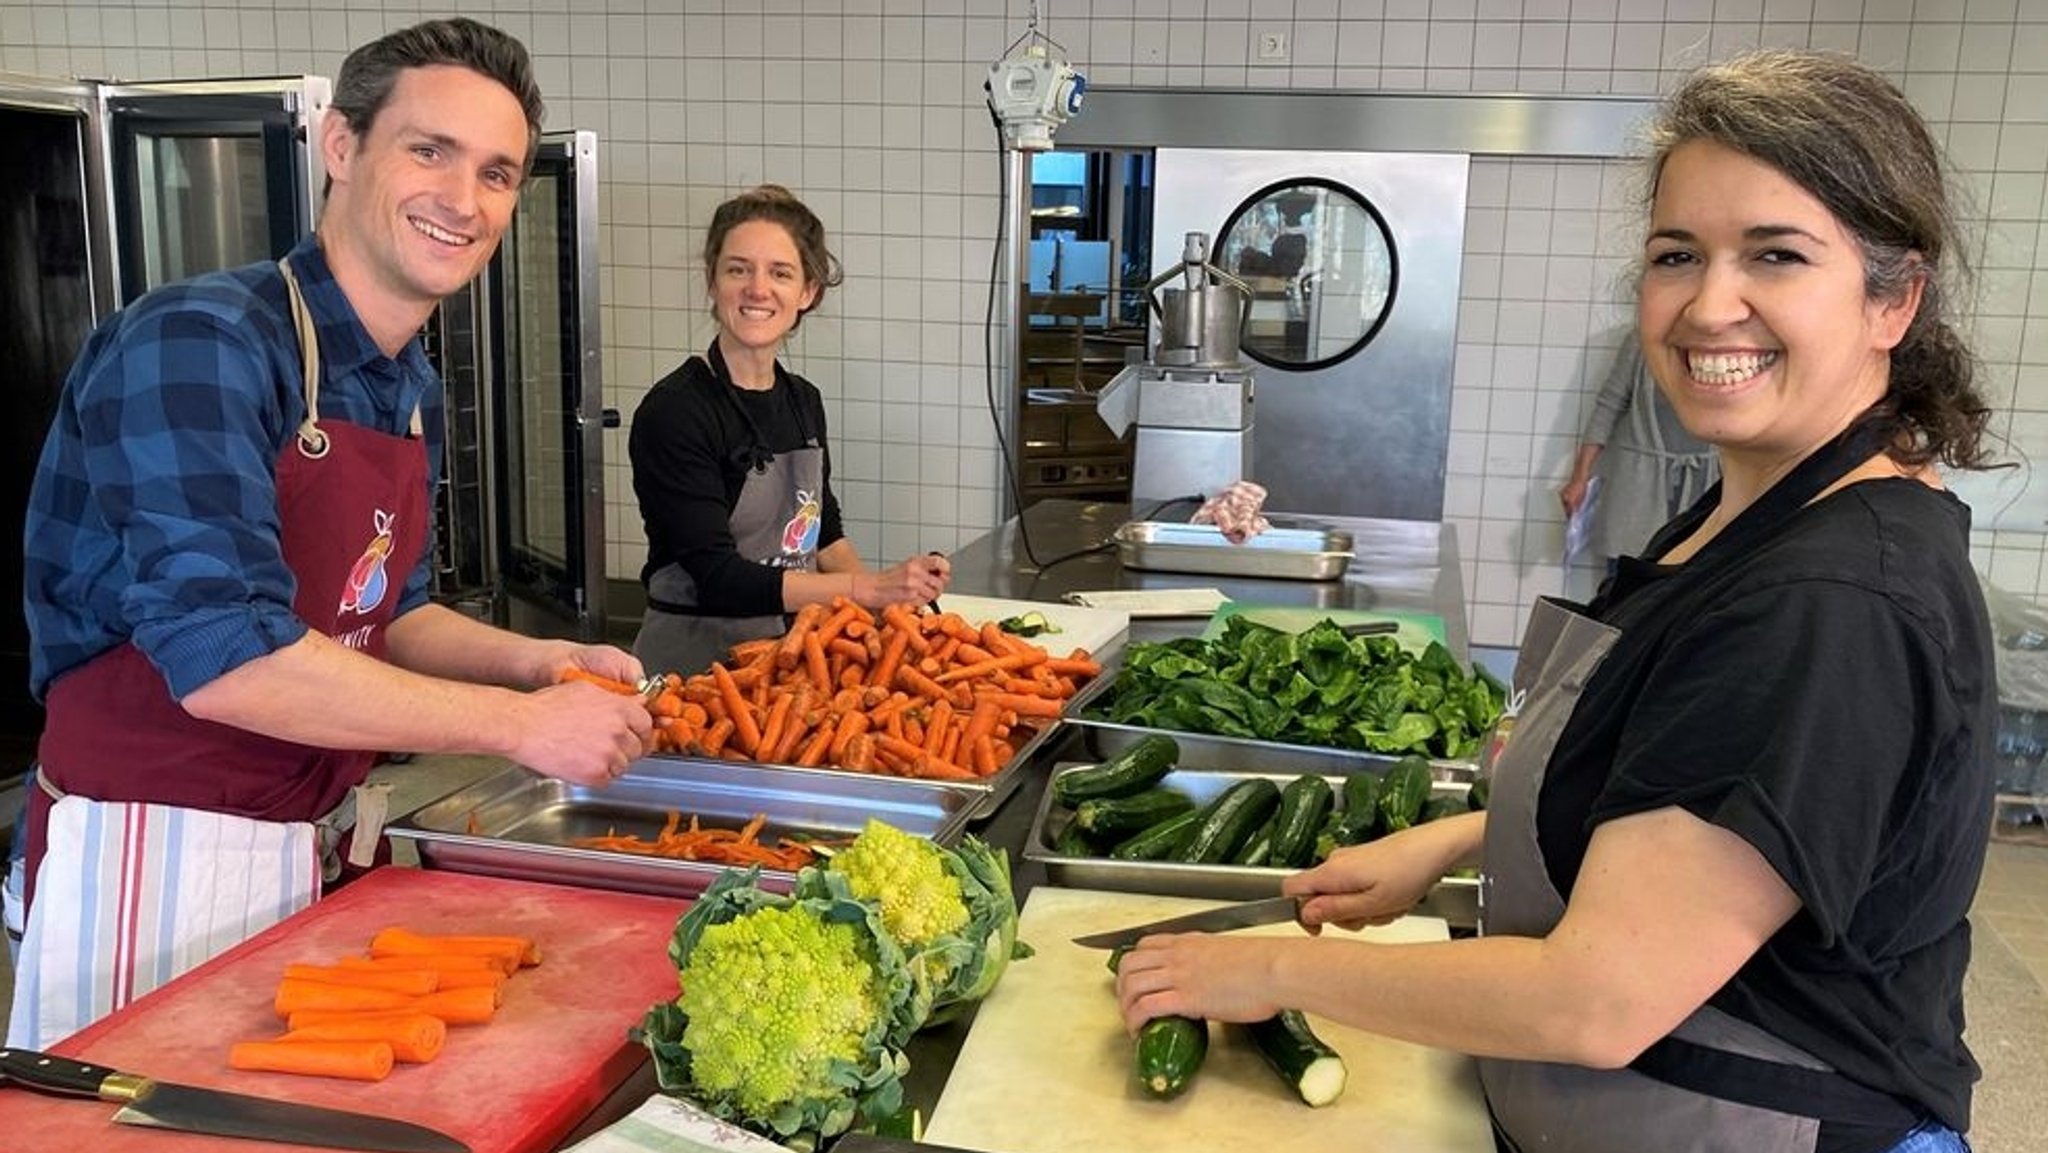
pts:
[902, 693]
[358, 1016]
[722, 846]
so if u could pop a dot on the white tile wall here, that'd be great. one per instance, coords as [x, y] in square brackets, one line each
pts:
[871, 109]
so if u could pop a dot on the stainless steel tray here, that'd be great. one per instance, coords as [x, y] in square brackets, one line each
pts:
[988, 792]
[1455, 899]
[1280, 553]
[1104, 739]
[520, 824]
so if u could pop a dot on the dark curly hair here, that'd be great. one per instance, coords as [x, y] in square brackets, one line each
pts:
[1850, 138]
[778, 205]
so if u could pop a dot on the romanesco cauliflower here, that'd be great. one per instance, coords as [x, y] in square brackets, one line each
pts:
[793, 1010]
[773, 1000]
[950, 909]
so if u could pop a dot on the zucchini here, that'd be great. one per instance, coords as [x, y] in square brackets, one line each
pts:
[1113, 818]
[1309, 1066]
[1230, 820]
[1169, 1054]
[1072, 842]
[1258, 850]
[1170, 1050]
[1132, 771]
[1303, 804]
[1442, 805]
[1160, 842]
[1360, 817]
[1404, 792]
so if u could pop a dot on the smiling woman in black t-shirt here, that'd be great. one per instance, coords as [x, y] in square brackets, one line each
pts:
[1738, 803]
[730, 464]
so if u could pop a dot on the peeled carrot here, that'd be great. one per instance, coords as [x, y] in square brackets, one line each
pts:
[471, 1006]
[814, 663]
[294, 995]
[813, 752]
[737, 708]
[356, 1060]
[399, 940]
[606, 683]
[791, 648]
[1029, 706]
[444, 962]
[411, 982]
[415, 1038]
[1019, 660]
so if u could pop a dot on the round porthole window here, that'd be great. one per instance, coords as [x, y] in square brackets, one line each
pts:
[1322, 269]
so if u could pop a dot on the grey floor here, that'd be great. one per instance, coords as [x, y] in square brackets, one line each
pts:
[2004, 991]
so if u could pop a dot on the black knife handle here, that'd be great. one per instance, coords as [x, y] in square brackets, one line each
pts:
[55, 1074]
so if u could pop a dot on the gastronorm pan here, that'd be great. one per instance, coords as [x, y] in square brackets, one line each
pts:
[987, 792]
[1455, 899]
[1104, 739]
[1279, 553]
[520, 824]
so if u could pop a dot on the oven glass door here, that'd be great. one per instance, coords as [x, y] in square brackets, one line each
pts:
[212, 174]
[51, 233]
[548, 420]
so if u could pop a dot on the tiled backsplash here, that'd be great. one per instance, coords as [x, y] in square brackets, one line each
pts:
[872, 111]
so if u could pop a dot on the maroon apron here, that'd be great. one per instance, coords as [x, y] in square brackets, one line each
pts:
[352, 527]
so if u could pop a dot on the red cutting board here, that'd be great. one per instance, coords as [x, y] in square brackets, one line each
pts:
[519, 1084]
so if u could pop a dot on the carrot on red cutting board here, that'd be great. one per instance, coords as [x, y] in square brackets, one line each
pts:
[294, 994]
[415, 1038]
[469, 1006]
[401, 941]
[356, 1060]
[437, 962]
[411, 982]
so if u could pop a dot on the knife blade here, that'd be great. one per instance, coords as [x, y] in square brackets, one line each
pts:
[1239, 916]
[188, 1108]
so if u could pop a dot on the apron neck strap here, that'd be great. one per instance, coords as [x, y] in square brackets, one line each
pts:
[1794, 491]
[313, 443]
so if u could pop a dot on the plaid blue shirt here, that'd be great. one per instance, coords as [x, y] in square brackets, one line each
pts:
[154, 514]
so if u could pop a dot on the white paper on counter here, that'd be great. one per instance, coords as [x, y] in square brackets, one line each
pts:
[671, 1125]
[1154, 602]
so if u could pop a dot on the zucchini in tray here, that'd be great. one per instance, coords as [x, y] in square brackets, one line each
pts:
[1130, 772]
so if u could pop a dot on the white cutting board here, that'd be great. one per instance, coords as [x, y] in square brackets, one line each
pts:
[1046, 1067]
[1097, 630]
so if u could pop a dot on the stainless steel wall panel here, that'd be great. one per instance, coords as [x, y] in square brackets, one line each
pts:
[1369, 435]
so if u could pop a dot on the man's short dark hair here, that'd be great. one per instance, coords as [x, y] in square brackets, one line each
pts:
[370, 72]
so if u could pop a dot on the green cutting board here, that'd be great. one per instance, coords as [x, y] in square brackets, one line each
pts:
[1417, 628]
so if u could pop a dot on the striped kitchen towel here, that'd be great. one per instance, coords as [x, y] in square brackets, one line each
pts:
[131, 895]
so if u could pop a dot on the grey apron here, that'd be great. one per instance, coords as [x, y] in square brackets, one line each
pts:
[775, 522]
[1544, 1105]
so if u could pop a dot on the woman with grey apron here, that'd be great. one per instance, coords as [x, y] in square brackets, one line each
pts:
[730, 463]
[1737, 804]
[774, 523]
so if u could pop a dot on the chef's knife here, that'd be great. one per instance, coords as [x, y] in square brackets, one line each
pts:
[188, 1108]
[1240, 916]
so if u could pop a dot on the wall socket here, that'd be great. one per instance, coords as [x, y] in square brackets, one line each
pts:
[1272, 46]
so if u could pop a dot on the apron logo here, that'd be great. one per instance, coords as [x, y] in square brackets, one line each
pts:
[800, 535]
[367, 581]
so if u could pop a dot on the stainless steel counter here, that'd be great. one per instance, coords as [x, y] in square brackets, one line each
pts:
[1399, 564]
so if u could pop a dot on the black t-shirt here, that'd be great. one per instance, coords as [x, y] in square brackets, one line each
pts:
[694, 437]
[1827, 695]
